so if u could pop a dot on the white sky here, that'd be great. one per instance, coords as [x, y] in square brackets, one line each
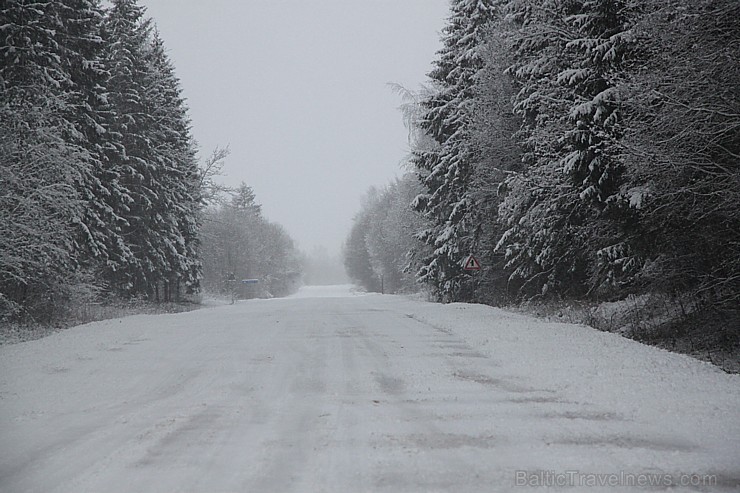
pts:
[298, 90]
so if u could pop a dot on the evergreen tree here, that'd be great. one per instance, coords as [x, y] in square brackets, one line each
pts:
[682, 150]
[99, 174]
[152, 158]
[564, 208]
[129, 168]
[41, 170]
[83, 51]
[177, 199]
[446, 171]
[494, 132]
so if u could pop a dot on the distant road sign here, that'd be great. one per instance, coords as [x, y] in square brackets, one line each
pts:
[250, 281]
[471, 263]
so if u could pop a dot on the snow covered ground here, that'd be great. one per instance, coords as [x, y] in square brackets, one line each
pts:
[331, 390]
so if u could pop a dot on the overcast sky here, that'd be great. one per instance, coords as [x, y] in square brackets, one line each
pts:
[298, 89]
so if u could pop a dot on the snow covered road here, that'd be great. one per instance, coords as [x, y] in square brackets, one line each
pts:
[328, 391]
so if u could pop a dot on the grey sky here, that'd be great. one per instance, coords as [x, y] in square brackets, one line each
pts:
[298, 90]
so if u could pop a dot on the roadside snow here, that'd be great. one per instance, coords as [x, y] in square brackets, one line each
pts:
[690, 404]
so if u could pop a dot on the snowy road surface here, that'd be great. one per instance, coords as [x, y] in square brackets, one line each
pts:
[352, 393]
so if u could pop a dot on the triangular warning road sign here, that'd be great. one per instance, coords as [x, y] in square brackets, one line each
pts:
[471, 263]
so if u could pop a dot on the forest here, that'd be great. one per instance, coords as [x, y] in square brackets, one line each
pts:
[103, 198]
[585, 151]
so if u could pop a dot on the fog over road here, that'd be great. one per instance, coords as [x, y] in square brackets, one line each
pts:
[329, 391]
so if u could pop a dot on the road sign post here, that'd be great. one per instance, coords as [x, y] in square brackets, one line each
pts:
[232, 289]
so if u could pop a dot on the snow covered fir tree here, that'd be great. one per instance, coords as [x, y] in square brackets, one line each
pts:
[101, 194]
[585, 151]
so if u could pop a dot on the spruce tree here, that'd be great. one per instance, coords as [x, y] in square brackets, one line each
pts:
[83, 50]
[446, 171]
[563, 210]
[152, 158]
[41, 170]
[682, 150]
[494, 132]
[175, 204]
[128, 167]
